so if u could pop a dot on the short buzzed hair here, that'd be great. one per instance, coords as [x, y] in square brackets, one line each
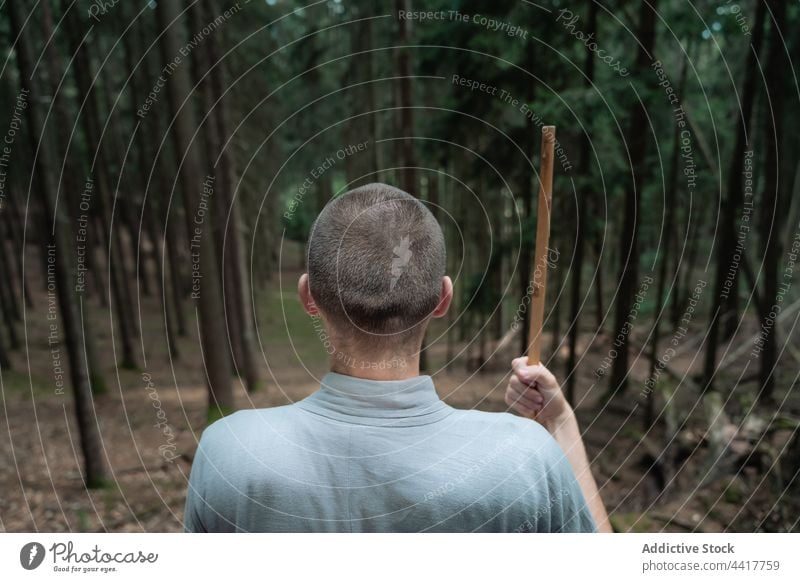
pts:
[376, 258]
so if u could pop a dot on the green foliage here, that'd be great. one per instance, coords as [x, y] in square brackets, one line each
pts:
[18, 383]
[99, 386]
[83, 521]
[297, 224]
[215, 413]
[733, 492]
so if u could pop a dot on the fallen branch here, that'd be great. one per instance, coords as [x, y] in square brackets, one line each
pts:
[734, 356]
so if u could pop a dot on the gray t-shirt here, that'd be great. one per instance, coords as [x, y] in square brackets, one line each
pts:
[367, 456]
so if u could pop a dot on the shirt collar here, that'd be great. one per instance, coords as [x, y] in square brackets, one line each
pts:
[412, 401]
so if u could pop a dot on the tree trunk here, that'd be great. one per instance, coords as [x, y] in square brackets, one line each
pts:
[5, 316]
[584, 198]
[771, 223]
[556, 295]
[408, 175]
[452, 204]
[372, 118]
[497, 272]
[684, 283]
[148, 167]
[235, 249]
[5, 363]
[103, 194]
[19, 245]
[629, 239]
[362, 168]
[9, 281]
[211, 141]
[598, 285]
[59, 264]
[527, 192]
[670, 203]
[575, 298]
[124, 207]
[68, 177]
[175, 259]
[216, 354]
[7, 301]
[726, 304]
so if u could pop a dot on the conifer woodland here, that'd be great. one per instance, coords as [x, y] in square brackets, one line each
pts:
[162, 163]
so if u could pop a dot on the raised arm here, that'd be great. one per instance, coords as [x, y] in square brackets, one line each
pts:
[534, 392]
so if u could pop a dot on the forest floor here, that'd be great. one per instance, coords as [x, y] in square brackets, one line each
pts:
[40, 469]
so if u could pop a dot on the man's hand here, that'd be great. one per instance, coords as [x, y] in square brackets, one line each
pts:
[534, 392]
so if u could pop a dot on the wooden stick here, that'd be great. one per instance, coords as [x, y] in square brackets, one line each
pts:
[539, 270]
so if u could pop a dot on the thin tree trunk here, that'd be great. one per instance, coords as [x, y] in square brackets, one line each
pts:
[8, 283]
[176, 261]
[451, 260]
[372, 119]
[5, 363]
[18, 243]
[726, 303]
[527, 192]
[12, 277]
[598, 286]
[7, 301]
[8, 320]
[629, 239]
[68, 179]
[406, 143]
[771, 222]
[173, 278]
[575, 297]
[408, 175]
[91, 129]
[146, 168]
[211, 141]
[216, 355]
[555, 313]
[497, 274]
[324, 191]
[670, 202]
[580, 236]
[684, 279]
[56, 230]
[235, 248]
[93, 242]
[125, 210]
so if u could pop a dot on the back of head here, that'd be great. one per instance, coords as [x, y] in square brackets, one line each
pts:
[376, 259]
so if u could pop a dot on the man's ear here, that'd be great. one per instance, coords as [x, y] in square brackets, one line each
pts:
[445, 298]
[304, 291]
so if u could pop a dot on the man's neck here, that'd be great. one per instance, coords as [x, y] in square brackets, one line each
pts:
[372, 368]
